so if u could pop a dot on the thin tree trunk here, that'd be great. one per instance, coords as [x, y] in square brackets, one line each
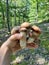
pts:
[7, 15]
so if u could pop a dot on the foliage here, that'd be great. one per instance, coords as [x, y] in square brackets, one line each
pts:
[23, 10]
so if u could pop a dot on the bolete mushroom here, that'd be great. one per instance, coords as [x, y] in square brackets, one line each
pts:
[33, 40]
[26, 25]
[36, 31]
[15, 30]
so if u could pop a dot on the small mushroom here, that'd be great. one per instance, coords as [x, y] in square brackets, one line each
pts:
[23, 39]
[33, 40]
[36, 30]
[15, 30]
[25, 25]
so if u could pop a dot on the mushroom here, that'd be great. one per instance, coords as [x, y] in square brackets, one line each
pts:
[36, 31]
[30, 38]
[23, 39]
[33, 40]
[35, 34]
[15, 30]
[26, 25]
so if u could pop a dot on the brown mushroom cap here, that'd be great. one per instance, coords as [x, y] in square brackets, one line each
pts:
[36, 29]
[23, 29]
[25, 25]
[15, 30]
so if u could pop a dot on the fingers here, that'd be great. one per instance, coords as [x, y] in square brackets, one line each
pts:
[17, 36]
[15, 33]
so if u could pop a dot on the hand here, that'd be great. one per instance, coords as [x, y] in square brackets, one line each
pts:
[12, 43]
[8, 46]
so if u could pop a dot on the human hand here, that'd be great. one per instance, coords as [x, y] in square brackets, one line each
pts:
[13, 42]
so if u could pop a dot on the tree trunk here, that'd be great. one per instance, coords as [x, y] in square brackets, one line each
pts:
[7, 15]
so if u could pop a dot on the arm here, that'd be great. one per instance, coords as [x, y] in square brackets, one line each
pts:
[7, 48]
[5, 55]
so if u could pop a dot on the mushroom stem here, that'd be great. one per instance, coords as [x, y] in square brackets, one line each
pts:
[23, 40]
[30, 40]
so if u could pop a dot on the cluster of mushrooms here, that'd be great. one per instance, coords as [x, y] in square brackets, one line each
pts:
[30, 37]
[30, 34]
[30, 40]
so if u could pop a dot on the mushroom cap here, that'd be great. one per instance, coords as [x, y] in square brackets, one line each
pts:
[23, 29]
[15, 30]
[36, 29]
[25, 25]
